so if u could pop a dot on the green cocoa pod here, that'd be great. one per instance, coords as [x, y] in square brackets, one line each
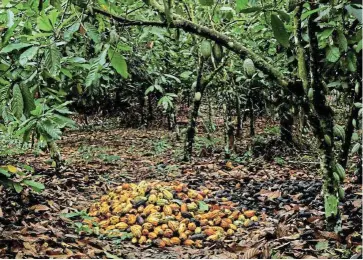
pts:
[336, 177]
[356, 88]
[217, 52]
[249, 67]
[327, 140]
[340, 171]
[310, 93]
[206, 49]
[339, 131]
[341, 193]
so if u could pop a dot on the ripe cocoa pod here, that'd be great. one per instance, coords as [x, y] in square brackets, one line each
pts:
[168, 233]
[152, 199]
[198, 243]
[114, 220]
[182, 228]
[254, 218]
[184, 208]
[249, 213]
[158, 230]
[188, 242]
[173, 225]
[147, 226]
[198, 230]
[175, 241]
[192, 226]
[136, 230]
[183, 236]
[145, 232]
[226, 222]
[232, 226]
[121, 226]
[209, 232]
[166, 241]
[131, 219]
[152, 235]
[230, 232]
[142, 240]
[167, 194]
[167, 210]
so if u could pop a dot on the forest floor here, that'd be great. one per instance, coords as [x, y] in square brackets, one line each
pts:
[284, 188]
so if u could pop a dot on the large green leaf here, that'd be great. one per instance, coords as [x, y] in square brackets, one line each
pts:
[92, 73]
[241, 4]
[331, 205]
[206, 2]
[14, 46]
[44, 23]
[332, 54]
[118, 63]
[28, 55]
[279, 31]
[36, 186]
[28, 99]
[52, 60]
[357, 13]
[92, 32]
[17, 104]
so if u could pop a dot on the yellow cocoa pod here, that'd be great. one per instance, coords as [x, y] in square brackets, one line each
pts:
[134, 240]
[175, 241]
[241, 217]
[174, 206]
[142, 240]
[214, 237]
[104, 223]
[136, 230]
[158, 230]
[198, 243]
[167, 194]
[114, 220]
[110, 227]
[161, 202]
[131, 219]
[127, 208]
[167, 241]
[152, 199]
[232, 226]
[148, 208]
[198, 230]
[230, 232]
[254, 218]
[182, 228]
[192, 206]
[183, 236]
[122, 226]
[147, 226]
[167, 210]
[161, 243]
[152, 235]
[217, 220]
[247, 223]
[173, 225]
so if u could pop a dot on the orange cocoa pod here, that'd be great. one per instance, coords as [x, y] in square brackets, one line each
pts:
[168, 233]
[184, 208]
[131, 219]
[167, 241]
[198, 243]
[192, 226]
[175, 241]
[188, 242]
[249, 213]
[226, 222]
[145, 232]
[183, 236]
[173, 225]
[161, 243]
[152, 235]
[164, 226]
[210, 232]
[167, 210]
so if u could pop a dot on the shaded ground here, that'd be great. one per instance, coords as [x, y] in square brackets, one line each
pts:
[285, 191]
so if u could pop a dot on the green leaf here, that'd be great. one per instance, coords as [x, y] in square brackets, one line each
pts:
[14, 46]
[357, 13]
[5, 173]
[352, 62]
[52, 59]
[251, 10]
[18, 188]
[342, 41]
[111, 256]
[28, 55]
[308, 13]
[17, 104]
[92, 32]
[118, 63]
[332, 54]
[241, 4]
[36, 186]
[284, 16]
[279, 31]
[326, 33]
[355, 148]
[203, 207]
[44, 23]
[322, 245]
[9, 33]
[206, 2]
[92, 74]
[68, 34]
[331, 205]
[28, 99]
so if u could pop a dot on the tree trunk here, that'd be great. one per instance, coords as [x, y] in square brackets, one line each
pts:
[252, 119]
[239, 118]
[349, 128]
[198, 95]
[286, 124]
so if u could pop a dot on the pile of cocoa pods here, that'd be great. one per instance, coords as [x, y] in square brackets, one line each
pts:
[166, 214]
